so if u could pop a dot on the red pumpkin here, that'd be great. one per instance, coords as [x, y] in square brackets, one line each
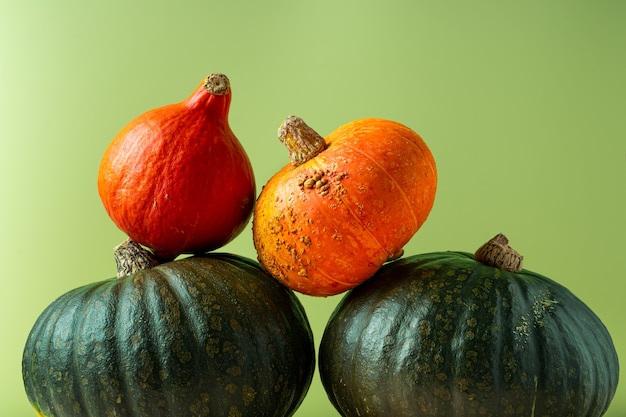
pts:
[176, 179]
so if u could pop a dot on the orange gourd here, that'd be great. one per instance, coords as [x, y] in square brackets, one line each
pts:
[344, 206]
[176, 179]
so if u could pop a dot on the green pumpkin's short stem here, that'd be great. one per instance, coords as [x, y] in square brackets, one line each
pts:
[498, 253]
[131, 257]
[217, 84]
[302, 142]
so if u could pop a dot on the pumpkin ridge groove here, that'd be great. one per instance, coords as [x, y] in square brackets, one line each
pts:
[156, 288]
[500, 320]
[355, 371]
[54, 403]
[572, 326]
[180, 289]
[68, 308]
[405, 198]
[422, 149]
[330, 277]
[87, 296]
[525, 337]
[559, 354]
[122, 291]
[360, 222]
[30, 370]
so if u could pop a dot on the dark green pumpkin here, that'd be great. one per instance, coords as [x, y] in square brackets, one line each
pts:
[442, 334]
[210, 335]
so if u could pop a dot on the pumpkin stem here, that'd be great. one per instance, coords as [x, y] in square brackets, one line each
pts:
[131, 257]
[217, 84]
[498, 253]
[302, 142]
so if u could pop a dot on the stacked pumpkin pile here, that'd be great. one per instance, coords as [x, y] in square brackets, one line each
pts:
[216, 334]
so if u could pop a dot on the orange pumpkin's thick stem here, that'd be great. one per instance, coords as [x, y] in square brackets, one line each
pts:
[498, 253]
[302, 142]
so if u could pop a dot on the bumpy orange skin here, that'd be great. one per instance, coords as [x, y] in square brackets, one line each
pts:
[376, 184]
[176, 179]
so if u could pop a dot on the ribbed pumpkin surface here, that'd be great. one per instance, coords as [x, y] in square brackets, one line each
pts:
[327, 225]
[443, 335]
[203, 336]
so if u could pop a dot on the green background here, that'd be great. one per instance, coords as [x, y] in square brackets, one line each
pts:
[522, 104]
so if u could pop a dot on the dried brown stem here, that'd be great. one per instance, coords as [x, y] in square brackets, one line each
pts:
[302, 142]
[217, 84]
[131, 257]
[499, 254]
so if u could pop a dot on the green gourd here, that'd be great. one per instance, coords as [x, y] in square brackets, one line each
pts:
[210, 335]
[449, 334]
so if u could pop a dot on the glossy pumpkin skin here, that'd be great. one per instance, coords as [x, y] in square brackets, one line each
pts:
[327, 225]
[442, 335]
[176, 179]
[211, 335]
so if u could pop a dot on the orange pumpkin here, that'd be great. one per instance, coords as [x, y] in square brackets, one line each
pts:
[176, 179]
[345, 205]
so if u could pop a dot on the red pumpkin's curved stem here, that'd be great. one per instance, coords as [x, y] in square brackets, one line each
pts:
[131, 257]
[302, 142]
[498, 253]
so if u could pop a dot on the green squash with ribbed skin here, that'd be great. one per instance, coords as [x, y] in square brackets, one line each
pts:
[441, 334]
[210, 335]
